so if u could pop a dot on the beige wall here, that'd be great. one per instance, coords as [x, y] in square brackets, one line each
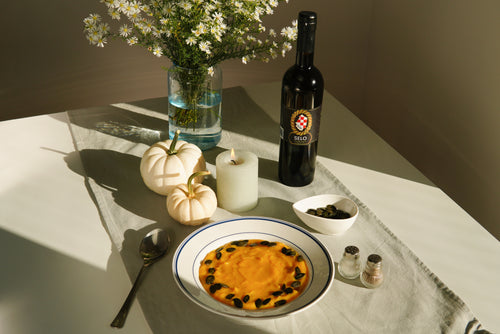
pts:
[48, 66]
[433, 92]
[423, 74]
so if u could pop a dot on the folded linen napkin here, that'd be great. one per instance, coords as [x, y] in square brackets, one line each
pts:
[111, 141]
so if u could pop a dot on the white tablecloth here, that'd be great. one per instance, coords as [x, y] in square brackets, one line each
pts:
[111, 141]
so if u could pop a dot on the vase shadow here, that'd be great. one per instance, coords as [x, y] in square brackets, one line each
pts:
[122, 123]
[119, 174]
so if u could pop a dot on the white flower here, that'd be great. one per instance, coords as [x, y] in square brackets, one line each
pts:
[95, 34]
[135, 17]
[132, 40]
[115, 15]
[272, 33]
[92, 39]
[166, 32]
[167, 10]
[209, 8]
[211, 71]
[286, 47]
[200, 30]
[93, 18]
[289, 33]
[129, 9]
[191, 40]
[136, 6]
[273, 53]
[185, 5]
[205, 46]
[101, 41]
[103, 28]
[216, 31]
[125, 30]
[109, 3]
[157, 51]
[121, 5]
[156, 32]
[145, 26]
[244, 59]
[146, 9]
[149, 25]
[256, 16]
[218, 17]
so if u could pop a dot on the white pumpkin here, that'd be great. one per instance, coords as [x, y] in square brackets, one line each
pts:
[169, 163]
[192, 204]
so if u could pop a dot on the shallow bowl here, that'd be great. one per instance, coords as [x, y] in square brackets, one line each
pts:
[194, 248]
[326, 225]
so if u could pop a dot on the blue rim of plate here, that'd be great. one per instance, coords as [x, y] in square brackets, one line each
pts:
[258, 314]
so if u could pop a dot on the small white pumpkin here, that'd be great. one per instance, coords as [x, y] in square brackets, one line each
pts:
[169, 163]
[192, 204]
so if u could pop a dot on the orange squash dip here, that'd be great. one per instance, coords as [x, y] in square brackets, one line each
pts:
[254, 274]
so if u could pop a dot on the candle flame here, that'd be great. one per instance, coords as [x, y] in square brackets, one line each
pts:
[233, 157]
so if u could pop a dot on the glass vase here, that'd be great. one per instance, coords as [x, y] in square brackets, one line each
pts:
[194, 105]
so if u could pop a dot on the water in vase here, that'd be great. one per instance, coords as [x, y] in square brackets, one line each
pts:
[206, 131]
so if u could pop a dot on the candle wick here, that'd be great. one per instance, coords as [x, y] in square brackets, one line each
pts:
[234, 162]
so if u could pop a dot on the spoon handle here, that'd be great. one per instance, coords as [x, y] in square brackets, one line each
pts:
[120, 318]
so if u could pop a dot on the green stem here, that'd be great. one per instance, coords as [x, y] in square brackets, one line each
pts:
[190, 181]
[171, 149]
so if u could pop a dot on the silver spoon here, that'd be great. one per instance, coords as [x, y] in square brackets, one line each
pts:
[153, 247]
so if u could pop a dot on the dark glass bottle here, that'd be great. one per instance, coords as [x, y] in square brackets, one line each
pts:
[301, 99]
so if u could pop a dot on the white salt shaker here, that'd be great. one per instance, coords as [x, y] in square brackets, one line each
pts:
[350, 264]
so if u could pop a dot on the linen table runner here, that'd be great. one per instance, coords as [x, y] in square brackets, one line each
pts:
[111, 141]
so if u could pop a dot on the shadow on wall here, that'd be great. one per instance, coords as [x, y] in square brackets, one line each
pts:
[432, 93]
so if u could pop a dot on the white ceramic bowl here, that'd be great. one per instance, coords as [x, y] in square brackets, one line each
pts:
[326, 225]
[193, 249]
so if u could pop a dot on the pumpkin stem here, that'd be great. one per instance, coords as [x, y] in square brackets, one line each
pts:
[171, 149]
[190, 181]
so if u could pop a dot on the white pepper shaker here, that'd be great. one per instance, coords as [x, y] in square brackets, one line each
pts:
[372, 276]
[350, 264]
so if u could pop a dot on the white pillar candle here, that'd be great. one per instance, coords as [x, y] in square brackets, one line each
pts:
[237, 180]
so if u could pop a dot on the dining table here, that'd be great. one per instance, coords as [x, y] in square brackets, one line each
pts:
[73, 210]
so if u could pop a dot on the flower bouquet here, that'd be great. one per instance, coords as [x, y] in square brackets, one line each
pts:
[195, 35]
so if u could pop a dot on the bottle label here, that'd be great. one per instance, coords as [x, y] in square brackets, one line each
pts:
[300, 126]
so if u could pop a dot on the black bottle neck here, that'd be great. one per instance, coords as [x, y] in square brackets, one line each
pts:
[304, 60]
[305, 39]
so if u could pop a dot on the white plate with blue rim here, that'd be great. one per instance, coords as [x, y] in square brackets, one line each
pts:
[197, 245]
